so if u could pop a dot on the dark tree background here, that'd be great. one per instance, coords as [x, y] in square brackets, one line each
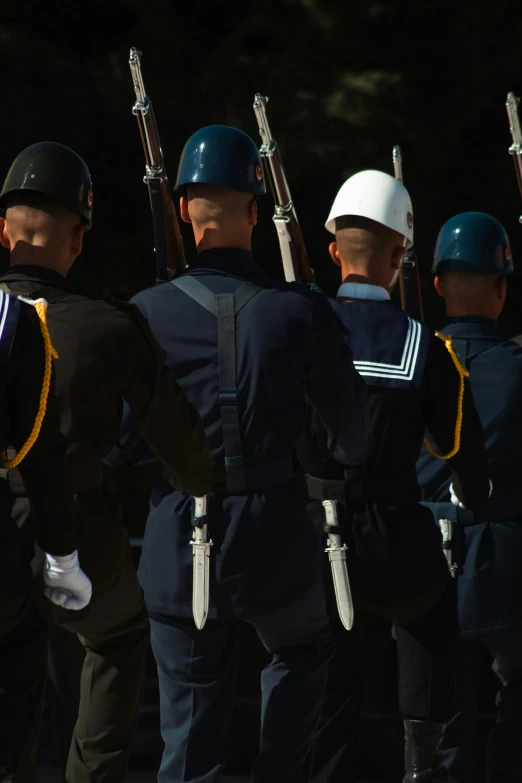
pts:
[347, 81]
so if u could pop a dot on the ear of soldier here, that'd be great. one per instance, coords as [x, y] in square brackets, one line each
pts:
[106, 353]
[265, 561]
[395, 561]
[472, 263]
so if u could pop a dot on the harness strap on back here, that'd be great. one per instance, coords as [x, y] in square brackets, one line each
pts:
[225, 307]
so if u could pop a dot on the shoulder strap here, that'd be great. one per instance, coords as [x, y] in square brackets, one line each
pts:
[225, 308]
[50, 294]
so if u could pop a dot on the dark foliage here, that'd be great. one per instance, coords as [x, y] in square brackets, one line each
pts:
[347, 81]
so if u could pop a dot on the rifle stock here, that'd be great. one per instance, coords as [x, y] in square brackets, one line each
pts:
[168, 243]
[296, 263]
[409, 278]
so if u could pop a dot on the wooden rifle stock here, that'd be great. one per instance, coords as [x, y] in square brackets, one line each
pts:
[296, 263]
[409, 278]
[167, 235]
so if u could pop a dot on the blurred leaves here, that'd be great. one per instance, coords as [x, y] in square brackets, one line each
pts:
[347, 81]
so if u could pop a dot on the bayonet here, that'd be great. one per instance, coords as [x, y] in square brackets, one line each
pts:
[446, 528]
[200, 563]
[337, 555]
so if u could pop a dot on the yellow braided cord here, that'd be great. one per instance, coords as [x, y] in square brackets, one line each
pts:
[41, 308]
[463, 373]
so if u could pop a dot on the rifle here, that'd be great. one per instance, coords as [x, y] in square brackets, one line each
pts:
[514, 126]
[296, 263]
[409, 279]
[167, 236]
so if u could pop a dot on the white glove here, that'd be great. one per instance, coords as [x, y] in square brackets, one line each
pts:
[65, 583]
[457, 502]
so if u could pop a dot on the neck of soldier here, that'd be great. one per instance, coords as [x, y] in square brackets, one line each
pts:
[212, 236]
[26, 254]
[367, 272]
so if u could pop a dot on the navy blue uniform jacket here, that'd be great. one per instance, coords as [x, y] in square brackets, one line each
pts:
[396, 564]
[289, 344]
[488, 544]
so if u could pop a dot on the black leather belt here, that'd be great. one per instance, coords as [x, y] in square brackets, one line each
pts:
[356, 489]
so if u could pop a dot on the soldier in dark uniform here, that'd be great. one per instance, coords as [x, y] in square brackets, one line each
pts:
[30, 424]
[472, 260]
[395, 559]
[249, 383]
[106, 353]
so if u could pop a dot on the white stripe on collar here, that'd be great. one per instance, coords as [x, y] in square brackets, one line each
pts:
[363, 291]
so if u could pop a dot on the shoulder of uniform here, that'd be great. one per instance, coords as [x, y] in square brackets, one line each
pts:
[138, 320]
[517, 340]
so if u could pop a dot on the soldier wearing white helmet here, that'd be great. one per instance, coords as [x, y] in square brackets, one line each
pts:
[395, 559]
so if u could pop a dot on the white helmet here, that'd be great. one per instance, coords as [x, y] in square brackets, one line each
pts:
[377, 196]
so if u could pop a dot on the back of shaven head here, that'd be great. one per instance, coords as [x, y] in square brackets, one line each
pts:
[361, 241]
[39, 219]
[210, 205]
[467, 289]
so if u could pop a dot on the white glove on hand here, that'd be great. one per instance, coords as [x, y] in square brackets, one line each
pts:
[457, 502]
[65, 583]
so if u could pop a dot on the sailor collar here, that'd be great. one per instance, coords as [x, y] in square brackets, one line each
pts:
[363, 291]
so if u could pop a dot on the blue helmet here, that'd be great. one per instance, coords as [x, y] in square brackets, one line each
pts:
[473, 242]
[223, 156]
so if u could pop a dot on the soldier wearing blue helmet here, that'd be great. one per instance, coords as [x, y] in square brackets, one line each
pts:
[246, 350]
[471, 264]
[237, 167]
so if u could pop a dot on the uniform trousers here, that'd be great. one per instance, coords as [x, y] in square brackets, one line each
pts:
[113, 630]
[425, 652]
[505, 742]
[23, 660]
[197, 676]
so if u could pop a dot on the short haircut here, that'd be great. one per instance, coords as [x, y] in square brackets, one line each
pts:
[463, 286]
[361, 239]
[214, 204]
[40, 202]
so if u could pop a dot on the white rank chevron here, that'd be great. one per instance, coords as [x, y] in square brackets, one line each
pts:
[403, 371]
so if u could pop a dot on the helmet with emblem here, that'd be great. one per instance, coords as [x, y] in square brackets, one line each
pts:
[376, 196]
[52, 170]
[223, 156]
[473, 242]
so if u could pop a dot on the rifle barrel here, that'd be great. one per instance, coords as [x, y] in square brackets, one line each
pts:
[397, 163]
[515, 149]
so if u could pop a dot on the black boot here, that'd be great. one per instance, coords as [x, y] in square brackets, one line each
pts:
[423, 752]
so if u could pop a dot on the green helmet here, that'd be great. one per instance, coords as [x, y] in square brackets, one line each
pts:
[53, 170]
